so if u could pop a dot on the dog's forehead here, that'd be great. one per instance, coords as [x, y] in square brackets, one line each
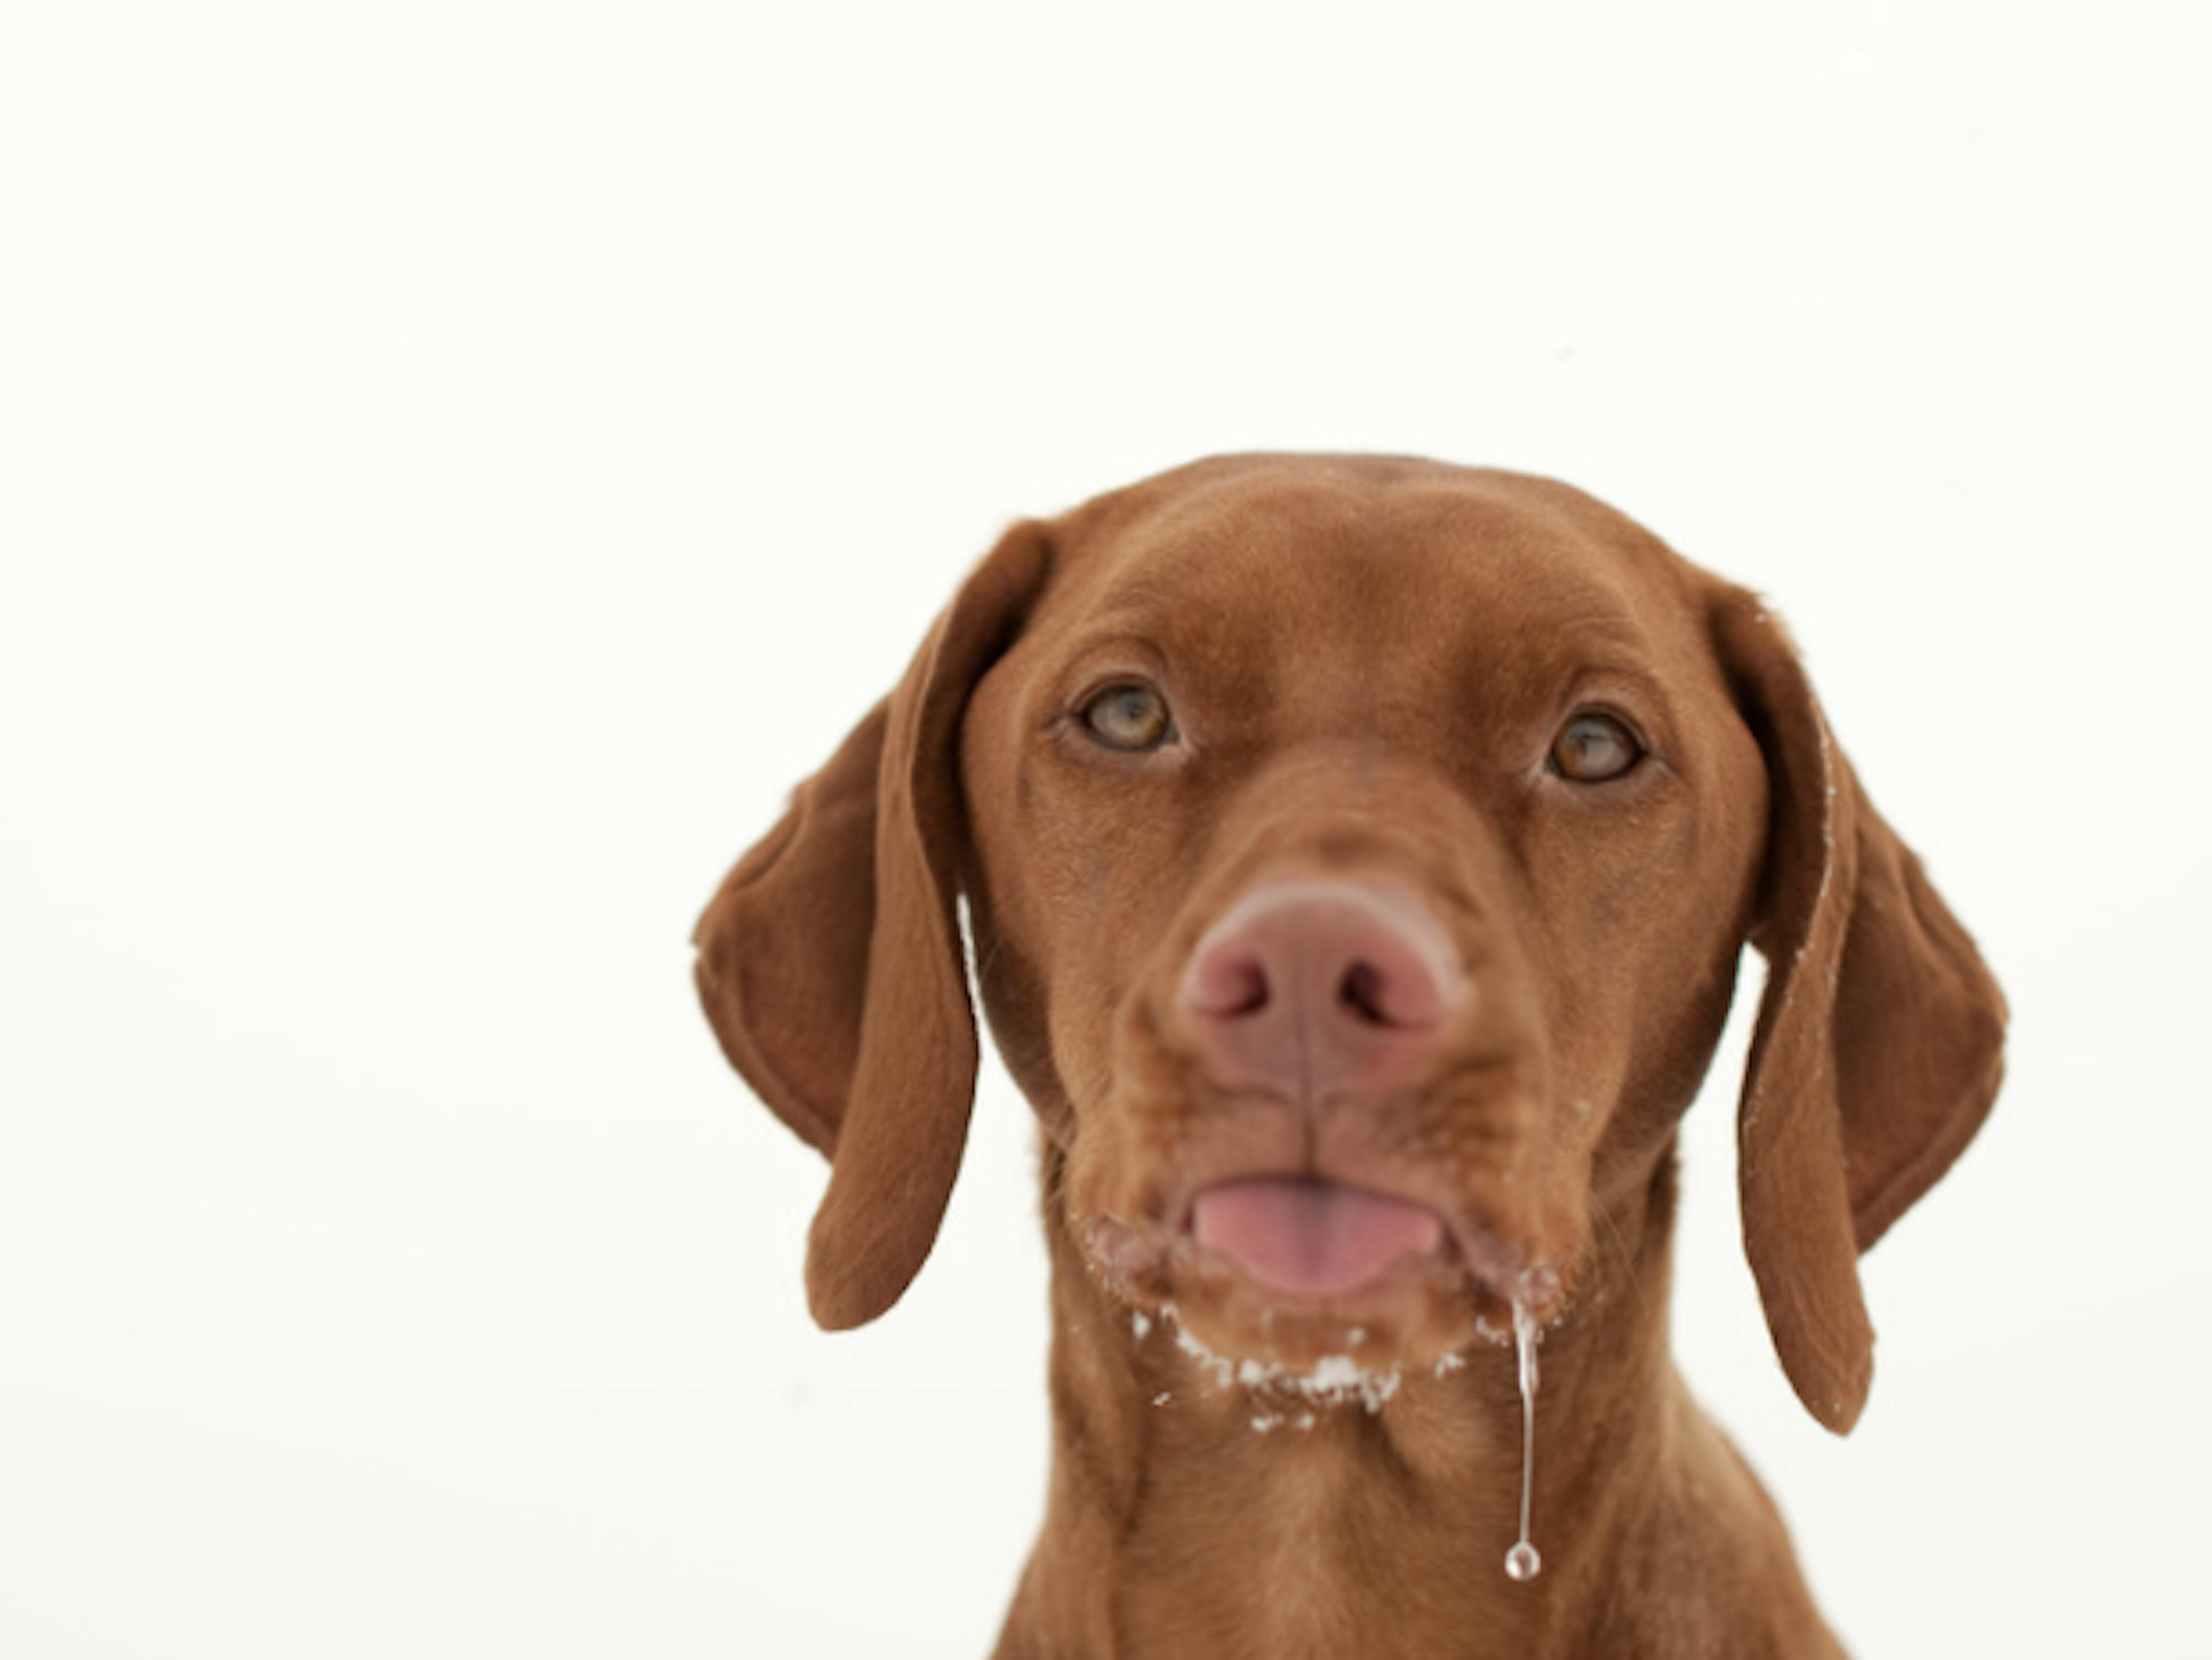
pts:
[1364, 561]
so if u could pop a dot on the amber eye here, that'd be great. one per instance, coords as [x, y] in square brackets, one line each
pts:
[1129, 715]
[1591, 749]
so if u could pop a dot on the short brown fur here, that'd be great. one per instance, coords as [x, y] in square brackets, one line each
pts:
[1369, 656]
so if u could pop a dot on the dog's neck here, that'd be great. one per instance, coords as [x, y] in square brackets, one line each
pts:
[1189, 1516]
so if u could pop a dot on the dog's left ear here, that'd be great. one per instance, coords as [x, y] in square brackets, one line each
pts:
[830, 963]
[1880, 1036]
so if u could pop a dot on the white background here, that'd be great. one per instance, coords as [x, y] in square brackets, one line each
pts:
[460, 465]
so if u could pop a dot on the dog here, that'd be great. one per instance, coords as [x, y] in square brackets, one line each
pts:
[1359, 854]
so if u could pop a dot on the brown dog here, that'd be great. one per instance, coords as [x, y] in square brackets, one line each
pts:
[1359, 854]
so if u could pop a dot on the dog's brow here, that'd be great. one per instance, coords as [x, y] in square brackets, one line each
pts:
[1547, 658]
[1137, 605]
[1116, 633]
[1610, 626]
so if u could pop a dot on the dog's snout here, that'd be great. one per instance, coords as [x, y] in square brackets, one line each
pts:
[1305, 988]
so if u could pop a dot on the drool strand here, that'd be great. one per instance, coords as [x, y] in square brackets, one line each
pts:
[1522, 1562]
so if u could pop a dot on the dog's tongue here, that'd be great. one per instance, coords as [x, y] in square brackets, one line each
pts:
[1312, 1237]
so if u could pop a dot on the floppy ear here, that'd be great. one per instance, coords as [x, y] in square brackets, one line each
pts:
[831, 962]
[1879, 1040]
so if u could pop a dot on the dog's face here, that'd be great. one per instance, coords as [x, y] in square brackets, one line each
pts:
[1392, 844]
[1359, 855]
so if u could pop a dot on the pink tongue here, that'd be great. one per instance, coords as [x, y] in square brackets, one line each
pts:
[1310, 1237]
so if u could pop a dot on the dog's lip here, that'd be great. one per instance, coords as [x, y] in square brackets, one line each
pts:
[1311, 1236]
[1466, 1245]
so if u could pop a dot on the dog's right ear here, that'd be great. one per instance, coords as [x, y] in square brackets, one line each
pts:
[831, 962]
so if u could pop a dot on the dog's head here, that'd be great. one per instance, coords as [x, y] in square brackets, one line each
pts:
[1359, 854]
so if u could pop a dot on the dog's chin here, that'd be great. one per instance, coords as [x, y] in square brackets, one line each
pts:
[1414, 1313]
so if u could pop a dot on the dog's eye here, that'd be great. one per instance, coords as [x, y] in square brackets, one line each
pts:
[1591, 749]
[1129, 715]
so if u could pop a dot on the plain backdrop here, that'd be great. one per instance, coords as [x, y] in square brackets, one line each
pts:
[461, 464]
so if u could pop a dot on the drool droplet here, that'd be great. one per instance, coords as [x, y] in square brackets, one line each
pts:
[1522, 1562]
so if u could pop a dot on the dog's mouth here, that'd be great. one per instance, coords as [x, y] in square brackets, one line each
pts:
[1293, 1270]
[1307, 1237]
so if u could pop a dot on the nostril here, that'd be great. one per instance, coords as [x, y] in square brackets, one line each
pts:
[1230, 984]
[1361, 992]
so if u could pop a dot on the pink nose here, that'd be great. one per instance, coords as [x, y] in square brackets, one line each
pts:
[1317, 987]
